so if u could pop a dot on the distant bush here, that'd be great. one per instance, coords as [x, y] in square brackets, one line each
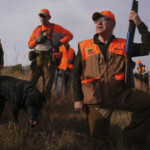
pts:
[17, 69]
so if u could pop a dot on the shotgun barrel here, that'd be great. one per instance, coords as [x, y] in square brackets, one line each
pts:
[129, 82]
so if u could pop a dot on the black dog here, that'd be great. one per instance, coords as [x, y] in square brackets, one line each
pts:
[23, 95]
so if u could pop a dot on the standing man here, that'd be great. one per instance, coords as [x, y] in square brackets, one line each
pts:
[99, 79]
[1, 57]
[142, 76]
[64, 71]
[141, 69]
[46, 38]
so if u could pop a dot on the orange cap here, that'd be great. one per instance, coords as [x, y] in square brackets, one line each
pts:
[44, 12]
[104, 13]
[138, 61]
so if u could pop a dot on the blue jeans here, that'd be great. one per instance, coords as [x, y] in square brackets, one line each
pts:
[62, 81]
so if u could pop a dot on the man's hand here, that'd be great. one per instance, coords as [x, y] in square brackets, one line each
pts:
[79, 106]
[135, 17]
[41, 39]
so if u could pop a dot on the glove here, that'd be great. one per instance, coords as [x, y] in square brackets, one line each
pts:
[57, 45]
[41, 39]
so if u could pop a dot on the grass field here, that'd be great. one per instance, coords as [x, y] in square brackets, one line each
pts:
[59, 128]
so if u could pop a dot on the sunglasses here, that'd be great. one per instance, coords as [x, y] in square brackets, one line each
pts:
[43, 16]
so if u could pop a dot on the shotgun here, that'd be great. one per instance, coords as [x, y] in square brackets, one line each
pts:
[129, 81]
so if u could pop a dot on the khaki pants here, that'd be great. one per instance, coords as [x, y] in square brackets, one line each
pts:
[138, 102]
[38, 69]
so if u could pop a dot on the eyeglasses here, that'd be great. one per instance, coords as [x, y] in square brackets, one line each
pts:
[41, 15]
[102, 19]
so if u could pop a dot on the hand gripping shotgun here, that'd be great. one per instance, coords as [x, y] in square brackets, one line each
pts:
[129, 80]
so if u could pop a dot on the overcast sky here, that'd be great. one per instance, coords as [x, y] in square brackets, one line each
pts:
[20, 17]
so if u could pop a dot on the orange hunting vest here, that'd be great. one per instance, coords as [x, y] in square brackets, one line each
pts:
[141, 69]
[59, 34]
[66, 55]
[102, 81]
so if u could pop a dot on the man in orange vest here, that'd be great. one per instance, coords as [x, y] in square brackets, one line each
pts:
[142, 76]
[99, 80]
[64, 70]
[45, 39]
[141, 69]
[1, 57]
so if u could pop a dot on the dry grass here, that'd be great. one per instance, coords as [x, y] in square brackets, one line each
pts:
[60, 128]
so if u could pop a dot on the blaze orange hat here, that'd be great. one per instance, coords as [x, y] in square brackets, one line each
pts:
[105, 13]
[138, 61]
[44, 12]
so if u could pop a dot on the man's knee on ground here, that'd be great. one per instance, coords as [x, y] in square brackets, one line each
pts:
[101, 127]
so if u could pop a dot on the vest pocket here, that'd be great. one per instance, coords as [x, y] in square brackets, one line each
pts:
[117, 62]
[92, 92]
[91, 67]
